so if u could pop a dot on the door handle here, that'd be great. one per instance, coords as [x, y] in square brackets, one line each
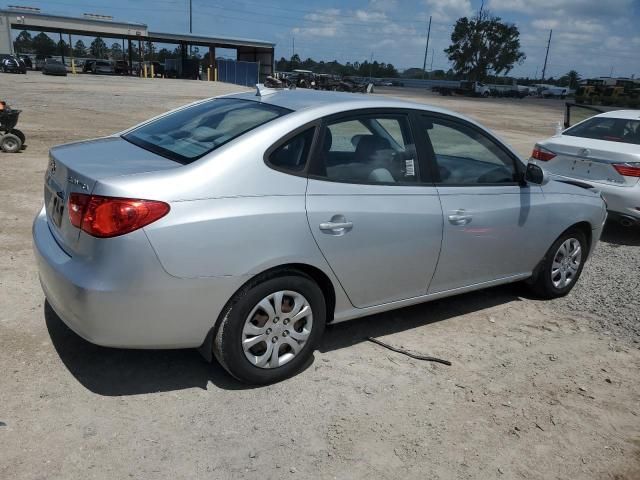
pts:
[338, 225]
[460, 217]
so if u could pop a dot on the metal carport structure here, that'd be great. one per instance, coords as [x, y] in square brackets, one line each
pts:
[248, 50]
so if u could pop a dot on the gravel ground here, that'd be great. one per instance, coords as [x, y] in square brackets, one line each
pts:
[537, 390]
[606, 289]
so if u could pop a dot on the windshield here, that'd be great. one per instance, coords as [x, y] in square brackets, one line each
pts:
[190, 133]
[607, 128]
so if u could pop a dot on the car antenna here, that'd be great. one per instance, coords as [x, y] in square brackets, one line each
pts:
[261, 90]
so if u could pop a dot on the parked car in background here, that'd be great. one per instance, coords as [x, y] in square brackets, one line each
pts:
[243, 224]
[552, 91]
[603, 151]
[103, 67]
[40, 61]
[27, 61]
[121, 67]
[12, 64]
[87, 65]
[54, 67]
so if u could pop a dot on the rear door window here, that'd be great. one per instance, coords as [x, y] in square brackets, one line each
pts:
[190, 133]
[369, 149]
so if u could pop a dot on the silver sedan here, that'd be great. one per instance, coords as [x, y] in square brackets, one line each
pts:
[244, 224]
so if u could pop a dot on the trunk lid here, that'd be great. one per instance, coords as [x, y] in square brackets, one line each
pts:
[590, 160]
[77, 167]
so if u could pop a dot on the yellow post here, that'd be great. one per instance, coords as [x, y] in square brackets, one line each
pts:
[153, 73]
[215, 74]
[208, 74]
[73, 66]
[144, 70]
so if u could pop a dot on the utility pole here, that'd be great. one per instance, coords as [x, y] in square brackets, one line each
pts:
[544, 69]
[190, 24]
[426, 49]
[433, 54]
[370, 65]
[293, 46]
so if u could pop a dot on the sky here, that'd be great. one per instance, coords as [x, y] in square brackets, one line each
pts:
[594, 37]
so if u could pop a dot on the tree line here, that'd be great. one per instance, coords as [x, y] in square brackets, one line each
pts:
[359, 69]
[43, 44]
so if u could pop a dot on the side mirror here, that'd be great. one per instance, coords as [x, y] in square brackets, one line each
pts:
[536, 175]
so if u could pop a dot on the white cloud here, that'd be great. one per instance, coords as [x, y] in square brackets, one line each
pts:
[365, 16]
[561, 8]
[448, 11]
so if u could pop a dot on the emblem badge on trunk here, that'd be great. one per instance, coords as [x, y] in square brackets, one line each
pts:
[75, 181]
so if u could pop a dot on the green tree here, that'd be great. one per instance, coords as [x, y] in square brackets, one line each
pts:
[116, 51]
[43, 45]
[63, 48]
[80, 49]
[23, 42]
[484, 44]
[570, 79]
[163, 54]
[98, 49]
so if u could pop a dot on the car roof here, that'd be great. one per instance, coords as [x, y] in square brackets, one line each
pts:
[624, 114]
[306, 99]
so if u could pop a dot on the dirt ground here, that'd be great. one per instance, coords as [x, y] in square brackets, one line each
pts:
[537, 390]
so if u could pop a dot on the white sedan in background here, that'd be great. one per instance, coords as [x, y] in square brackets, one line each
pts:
[603, 151]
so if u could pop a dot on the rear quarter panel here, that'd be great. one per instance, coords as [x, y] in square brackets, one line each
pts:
[234, 236]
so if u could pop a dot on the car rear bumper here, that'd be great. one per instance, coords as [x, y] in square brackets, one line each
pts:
[117, 306]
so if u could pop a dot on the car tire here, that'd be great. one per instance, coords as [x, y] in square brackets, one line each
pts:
[558, 272]
[237, 326]
[10, 143]
[20, 135]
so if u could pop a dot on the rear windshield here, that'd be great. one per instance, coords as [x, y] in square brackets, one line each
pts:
[611, 129]
[190, 133]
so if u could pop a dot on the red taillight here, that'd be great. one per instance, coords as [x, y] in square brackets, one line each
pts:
[628, 169]
[542, 154]
[111, 216]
